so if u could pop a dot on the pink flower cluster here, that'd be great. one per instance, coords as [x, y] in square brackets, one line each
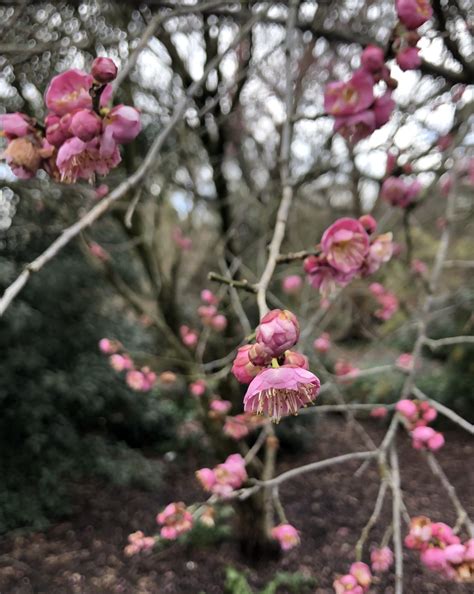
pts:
[412, 14]
[441, 550]
[286, 535]
[357, 581]
[348, 248]
[175, 520]
[81, 135]
[138, 542]
[140, 380]
[417, 414]
[189, 337]
[356, 109]
[386, 299]
[224, 478]
[399, 192]
[381, 559]
[280, 383]
[208, 312]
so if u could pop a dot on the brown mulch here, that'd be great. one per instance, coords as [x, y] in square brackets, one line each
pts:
[84, 555]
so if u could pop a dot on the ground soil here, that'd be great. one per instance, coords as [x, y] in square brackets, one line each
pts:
[84, 554]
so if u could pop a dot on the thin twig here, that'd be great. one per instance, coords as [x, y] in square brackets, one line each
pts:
[396, 521]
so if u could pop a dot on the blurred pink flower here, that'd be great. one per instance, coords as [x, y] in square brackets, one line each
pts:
[381, 559]
[219, 322]
[281, 391]
[85, 124]
[224, 478]
[138, 542]
[175, 520]
[236, 427]
[286, 535]
[345, 244]
[242, 368]
[292, 284]
[408, 58]
[379, 412]
[361, 571]
[405, 361]
[15, 125]
[372, 59]
[69, 91]
[426, 438]
[198, 388]
[369, 223]
[413, 13]
[348, 98]
[120, 362]
[298, 359]
[209, 297]
[322, 344]
[103, 70]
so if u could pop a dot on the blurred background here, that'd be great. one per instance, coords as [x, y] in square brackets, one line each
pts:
[209, 203]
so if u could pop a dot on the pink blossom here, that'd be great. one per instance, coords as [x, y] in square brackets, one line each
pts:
[15, 125]
[372, 59]
[434, 558]
[455, 553]
[23, 156]
[379, 412]
[381, 559]
[383, 108]
[206, 313]
[345, 369]
[188, 336]
[380, 251]
[408, 409]
[419, 534]
[369, 223]
[376, 289]
[220, 406]
[356, 127]
[294, 358]
[323, 276]
[361, 571]
[426, 412]
[198, 388]
[419, 267]
[135, 380]
[281, 391]
[121, 125]
[444, 533]
[138, 542]
[405, 361]
[108, 346]
[386, 299]
[286, 535]
[236, 427]
[85, 124]
[292, 284]
[345, 244]
[348, 98]
[347, 584]
[120, 362]
[101, 191]
[209, 297]
[278, 331]
[408, 58]
[219, 322]
[260, 355]
[426, 438]
[225, 477]
[77, 159]
[242, 368]
[323, 343]
[413, 13]
[58, 128]
[104, 70]
[175, 520]
[398, 192]
[206, 478]
[69, 91]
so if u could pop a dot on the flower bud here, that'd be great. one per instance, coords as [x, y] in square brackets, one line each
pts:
[104, 70]
[278, 331]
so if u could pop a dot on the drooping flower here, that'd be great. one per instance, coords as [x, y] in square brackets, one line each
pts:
[278, 330]
[347, 584]
[175, 520]
[281, 391]
[225, 477]
[348, 98]
[361, 571]
[292, 284]
[324, 277]
[356, 127]
[413, 13]
[82, 160]
[69, 91]
[138, 542]
[23, 156]
[104, 70]
[286, 535]
[381, 559]
[242, 368]
[420, 533]
[345, 244]
[408, 58]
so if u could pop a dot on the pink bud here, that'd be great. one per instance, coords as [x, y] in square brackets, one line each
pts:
[104, 70]
[85, 125]
[278, 331]
[198, 388]
[219, 322]
[208, 297]
[292, 284]
[408, 58]
[323, 343]
[294, 358]
[368, 222]
[372, 58]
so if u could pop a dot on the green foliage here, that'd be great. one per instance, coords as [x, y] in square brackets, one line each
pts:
[237, 583]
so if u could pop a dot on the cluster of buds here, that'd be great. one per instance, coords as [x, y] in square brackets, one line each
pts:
[441, 550]
[401, 191]
[357, 581]
[189, 337]
[357, 111]
[138, 542]
[412, 14]
[208, 311]
[279, 380]
[386, 299]
[286, 535]
[224, 478]
[174, 520]
[140, 380]
[348, 249]
[81, 134]
[416, 415]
